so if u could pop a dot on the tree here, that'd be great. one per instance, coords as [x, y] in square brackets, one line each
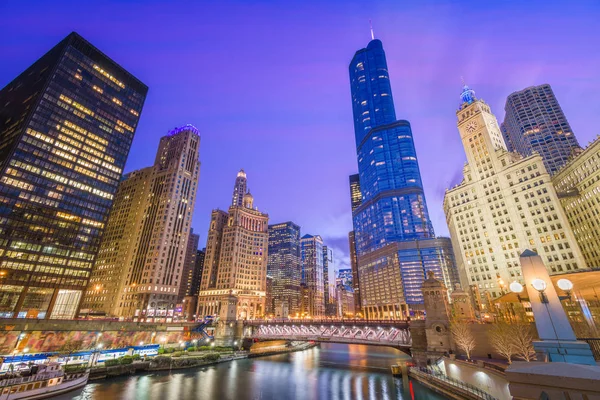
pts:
[522, 338]
[69, 348]
[501, 338]
[461, 333]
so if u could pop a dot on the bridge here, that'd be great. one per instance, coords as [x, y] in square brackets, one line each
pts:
[373, 332]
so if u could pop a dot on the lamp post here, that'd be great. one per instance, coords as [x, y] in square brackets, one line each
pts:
[557, 339]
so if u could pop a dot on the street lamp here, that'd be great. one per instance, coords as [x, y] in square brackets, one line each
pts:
[540, 285]
[565, 285]
[516, 287]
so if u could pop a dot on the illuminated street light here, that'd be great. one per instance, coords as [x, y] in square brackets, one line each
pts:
[565, 284]
[539, 284]
[99, 345]
[516, 287]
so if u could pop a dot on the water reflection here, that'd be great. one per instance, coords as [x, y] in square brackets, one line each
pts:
[333, 371]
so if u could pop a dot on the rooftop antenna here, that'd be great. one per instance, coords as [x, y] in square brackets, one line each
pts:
[372, 34]
[462, 80]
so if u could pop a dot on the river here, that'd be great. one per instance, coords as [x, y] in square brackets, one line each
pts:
[331, 371]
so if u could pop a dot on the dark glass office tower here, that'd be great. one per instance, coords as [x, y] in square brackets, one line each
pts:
[188, 273]
[285, 268]
[534, 121]
[393, 210]
[355, 196]
[66, 125]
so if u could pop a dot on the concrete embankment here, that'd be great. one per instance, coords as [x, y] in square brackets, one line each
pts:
[166, 363]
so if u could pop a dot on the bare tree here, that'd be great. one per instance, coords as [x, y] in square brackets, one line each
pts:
[501, 339]
[522, 338]
[463, 337]
[69, 348]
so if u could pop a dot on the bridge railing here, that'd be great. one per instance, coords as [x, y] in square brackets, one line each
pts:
[335, 322]
[429, 374]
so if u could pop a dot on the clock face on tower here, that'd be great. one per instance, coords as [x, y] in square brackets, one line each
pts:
[471, 127]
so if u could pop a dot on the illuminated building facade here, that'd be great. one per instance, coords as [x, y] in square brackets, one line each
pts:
[311, 251]
[235, 269]
[578, 188]
[504, 205]
[355, 275]
[140, 266]
[285, 268]
[534, 122]
[392, 228]
[329, 282]
[66, 126]
[344, 277]
[344, 301]
[355, 195]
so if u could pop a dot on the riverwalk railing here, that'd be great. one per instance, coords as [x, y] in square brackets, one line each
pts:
[432, 375]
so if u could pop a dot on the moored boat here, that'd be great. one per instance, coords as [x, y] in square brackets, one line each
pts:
[44, 381]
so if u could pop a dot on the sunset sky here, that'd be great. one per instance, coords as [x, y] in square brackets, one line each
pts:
[266, 83]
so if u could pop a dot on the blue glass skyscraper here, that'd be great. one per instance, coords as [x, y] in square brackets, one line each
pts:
[393, 209]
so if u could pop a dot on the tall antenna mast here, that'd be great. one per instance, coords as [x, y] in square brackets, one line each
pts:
[372, 34]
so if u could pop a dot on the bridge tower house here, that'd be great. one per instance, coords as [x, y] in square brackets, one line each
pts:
[431, 338]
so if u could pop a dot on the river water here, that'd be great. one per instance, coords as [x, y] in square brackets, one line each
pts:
[331, 371]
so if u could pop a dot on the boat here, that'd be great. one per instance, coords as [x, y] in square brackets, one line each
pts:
[44, 381]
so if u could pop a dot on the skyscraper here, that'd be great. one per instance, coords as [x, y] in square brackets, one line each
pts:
[190, 301]
[329, 282]
[354, 267]
[355, 202]
[285, 268]
[311, 250]
[534, 121]
[394, 237]
[197, 276]
[344, 277]
[66, 125]
[140, 265]
[355, 196]
[578, 186]
[239, 189]
[505, 204]
[235, 269]
[189, 266]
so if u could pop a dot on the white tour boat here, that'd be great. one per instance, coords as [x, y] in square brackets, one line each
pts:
[47, 381]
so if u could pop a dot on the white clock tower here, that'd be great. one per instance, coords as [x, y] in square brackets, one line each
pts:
[504, 205]
[480, 134]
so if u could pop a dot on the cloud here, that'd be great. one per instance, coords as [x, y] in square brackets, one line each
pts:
[329, 226]
[341, 258]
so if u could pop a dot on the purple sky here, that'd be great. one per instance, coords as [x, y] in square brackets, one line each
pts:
[267, 84]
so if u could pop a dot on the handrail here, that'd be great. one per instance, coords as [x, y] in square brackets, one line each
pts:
[427, 373]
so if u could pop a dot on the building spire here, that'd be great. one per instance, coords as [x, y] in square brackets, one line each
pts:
[239, 189]
[468, 94]
[371, 26]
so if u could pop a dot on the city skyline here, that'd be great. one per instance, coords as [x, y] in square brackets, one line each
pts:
[426, 78]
